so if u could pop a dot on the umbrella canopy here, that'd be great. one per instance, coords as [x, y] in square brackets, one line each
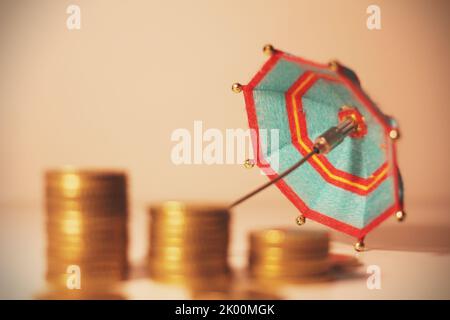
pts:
[354, 187]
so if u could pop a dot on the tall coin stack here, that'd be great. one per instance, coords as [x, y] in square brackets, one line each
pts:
[189, 244]
[287, 255]
[86, 229]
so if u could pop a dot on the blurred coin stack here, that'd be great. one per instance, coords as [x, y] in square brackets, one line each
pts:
[189, 244]
[287, 255]
[86, 228]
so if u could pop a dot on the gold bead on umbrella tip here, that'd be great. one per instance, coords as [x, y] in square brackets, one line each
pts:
[333, 65]
[236, 87]
[300, 220]
[394, 134]
[359, 246]
[268, 49]
[400, 215]
[248, 164]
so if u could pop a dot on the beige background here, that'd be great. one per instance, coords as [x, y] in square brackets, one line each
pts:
[110, 94]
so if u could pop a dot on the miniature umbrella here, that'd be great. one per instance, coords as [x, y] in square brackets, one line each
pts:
[335, 156]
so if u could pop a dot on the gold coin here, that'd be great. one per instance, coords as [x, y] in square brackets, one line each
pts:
[302, 238]
[272, 282]
[73, 248]
[74, 233]
[96, 205]
[65, 239]
[200, 227]
[180, 216]
[103, 259]
[56, 274]
[100, 262]
[110, 223]
[157, 270]
[85, 246]
[179, 259]
[92, 197]
[189, 235]
[92, 257]
[87, 277]
[77, 231]
[68, 230]
[297, 268]
[195, 252]
[93, 276]
[205, 263]
[177, 208]
[92, 254]
[86, 238]
[290, 246]
[105, 264]
[86, 189]
[204, 267]
[80, 294]
[85, 195]
[190, 244]
[187, 259]
[283, 254]
[76, 178]
[74, 182]
[100, 216]
[219, 281]
[88, 281]
[299, 250]
[95, 248]
[195, 259]
[86, 225]
[189, 228]
[84, 185]
[188, 241]
[119, 241]
[199, 223]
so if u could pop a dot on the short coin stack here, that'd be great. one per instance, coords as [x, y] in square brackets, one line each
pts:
[289, 255]
[86, 229]
[189, 243]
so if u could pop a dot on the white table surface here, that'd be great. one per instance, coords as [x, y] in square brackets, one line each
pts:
[411, 271]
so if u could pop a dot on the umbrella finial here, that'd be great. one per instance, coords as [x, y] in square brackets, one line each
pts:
[333, 65]
[400, 215]
[300, 220]
[236, 87]
[248, 164]
[394, 134]
[360, 246]
[268, 49]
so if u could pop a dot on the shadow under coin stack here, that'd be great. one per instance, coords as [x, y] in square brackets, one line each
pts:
[287, 255]
[189, 244]
[86, 230]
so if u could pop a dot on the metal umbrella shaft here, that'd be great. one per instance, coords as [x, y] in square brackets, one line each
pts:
[326, 142]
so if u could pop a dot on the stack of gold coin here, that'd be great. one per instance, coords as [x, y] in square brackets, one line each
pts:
[289, 255]
[86, 228]
[189, 243]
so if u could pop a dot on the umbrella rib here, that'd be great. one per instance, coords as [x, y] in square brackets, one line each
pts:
[278, 178]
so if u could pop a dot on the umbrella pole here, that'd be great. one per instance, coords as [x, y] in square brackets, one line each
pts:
[323, 144]
[281, 176]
